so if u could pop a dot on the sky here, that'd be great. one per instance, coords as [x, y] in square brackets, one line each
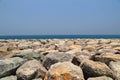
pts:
[52, 17]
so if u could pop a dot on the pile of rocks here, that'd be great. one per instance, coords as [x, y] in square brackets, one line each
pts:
[60, 59]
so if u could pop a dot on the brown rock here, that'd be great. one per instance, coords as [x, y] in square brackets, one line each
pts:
[3, 50]
[95, 69]
[107, 57]
[100, 78]
[31, 70]
[115, 66]
[64, 71]
[90, 48]
[117, 48]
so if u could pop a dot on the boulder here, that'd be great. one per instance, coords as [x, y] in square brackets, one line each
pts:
[104, 50]
[8, 66]
[115, 66]
[107, 57]
[23, 45]
[64, 71]
[3, 50]
[53, 58]
[80, 56]
[38, 79]
[94, 69]
[73, 51]
[117, 48]
[31, 70]
[29, 54]
[9, 78]
[89, 48]
[63, 48]
[100, 78]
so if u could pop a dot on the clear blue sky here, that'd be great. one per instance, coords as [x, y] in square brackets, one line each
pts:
[34, 17]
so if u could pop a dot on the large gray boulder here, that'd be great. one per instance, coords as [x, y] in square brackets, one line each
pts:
[9, 78]
[115, 66]
[8, 66]
[100, 78]
[30, 70]
[53, 58]
[29, 54]
[64, 71]
[94, 69]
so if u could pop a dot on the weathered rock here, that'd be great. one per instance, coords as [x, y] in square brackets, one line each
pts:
[69, 42]
[11, 48]
[38, 79]
[8, 55]
[3, 50]
[29, 54]
[75, 47]
[103, 50]
[53, 58]
[8, 66]
[23, 45]
[105, 41]
[94, 69]
[115, 66]
[64, 71]
[73, 51]
[63, 48]
[92, 42]
[31, 70]
[107, 57]
[100, 78]
[90, 48]
[117, 48]
[80, 56]
[9, 78]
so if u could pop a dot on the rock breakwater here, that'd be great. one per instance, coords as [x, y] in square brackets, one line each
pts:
[60, 59]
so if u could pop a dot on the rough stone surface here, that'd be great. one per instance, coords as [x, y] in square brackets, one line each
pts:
[115, 66]
[9, 78]
[38, 79]
[31, 70]
[107, 57]
[61, 50]
[53, 58]
[8, 66]
[100, 78]
[94, 69]
[64, 71]
[29, 54]
[80, 56]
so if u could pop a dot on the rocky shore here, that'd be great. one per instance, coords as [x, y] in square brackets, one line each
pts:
[60, 59]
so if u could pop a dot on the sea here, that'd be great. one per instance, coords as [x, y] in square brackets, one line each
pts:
[59, 36]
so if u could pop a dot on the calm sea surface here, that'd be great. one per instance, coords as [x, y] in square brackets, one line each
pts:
[59, 36]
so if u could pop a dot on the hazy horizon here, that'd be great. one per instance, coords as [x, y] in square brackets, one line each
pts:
[59, 17]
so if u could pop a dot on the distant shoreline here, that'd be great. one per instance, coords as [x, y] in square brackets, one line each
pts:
[58, 36]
